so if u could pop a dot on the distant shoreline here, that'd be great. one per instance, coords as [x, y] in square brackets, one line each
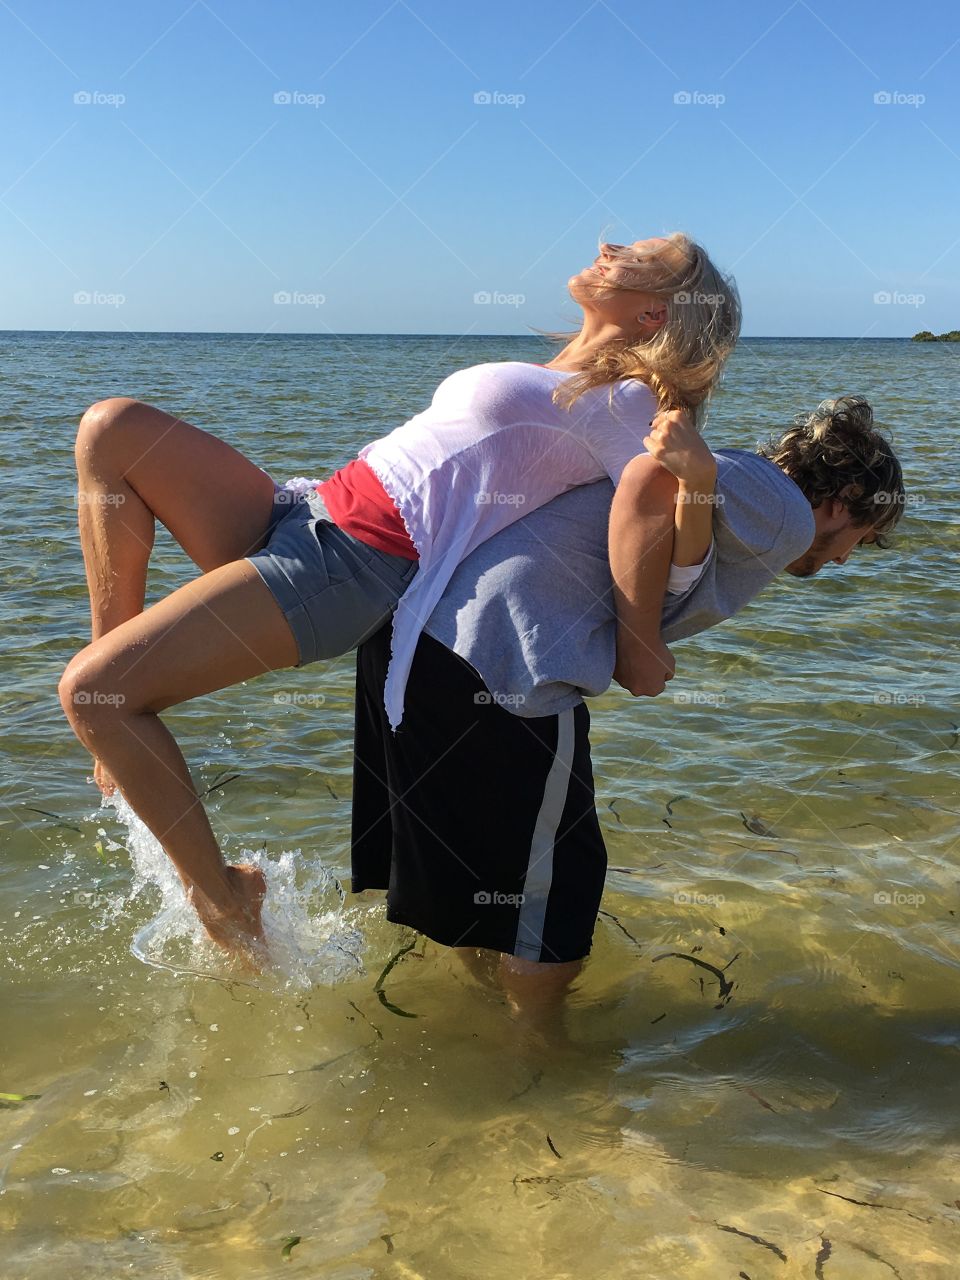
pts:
[926, 336]
[953, 336]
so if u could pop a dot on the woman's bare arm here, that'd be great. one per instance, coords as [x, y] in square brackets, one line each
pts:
[677, 445]
[640, 544]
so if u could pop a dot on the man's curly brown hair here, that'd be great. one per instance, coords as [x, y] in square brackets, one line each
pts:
[838, 452]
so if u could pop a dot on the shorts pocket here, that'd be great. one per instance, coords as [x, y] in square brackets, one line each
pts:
[343, 557]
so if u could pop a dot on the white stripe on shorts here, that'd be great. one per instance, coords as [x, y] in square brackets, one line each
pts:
[539, 876]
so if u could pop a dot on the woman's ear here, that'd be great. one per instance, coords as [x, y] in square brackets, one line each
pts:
[654, 315]
[652, 320]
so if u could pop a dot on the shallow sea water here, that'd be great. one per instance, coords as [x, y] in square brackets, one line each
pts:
[788, 815]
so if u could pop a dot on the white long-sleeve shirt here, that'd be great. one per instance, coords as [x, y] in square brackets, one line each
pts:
[491, 447]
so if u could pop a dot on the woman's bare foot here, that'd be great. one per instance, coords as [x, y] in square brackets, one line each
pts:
[237, 926]
[102, 778]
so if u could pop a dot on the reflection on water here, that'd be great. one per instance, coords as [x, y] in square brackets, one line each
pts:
[761, 1067]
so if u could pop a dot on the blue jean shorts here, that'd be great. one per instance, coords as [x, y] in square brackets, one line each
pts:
[335, 591]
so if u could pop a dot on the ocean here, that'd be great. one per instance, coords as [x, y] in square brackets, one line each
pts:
[787, 812]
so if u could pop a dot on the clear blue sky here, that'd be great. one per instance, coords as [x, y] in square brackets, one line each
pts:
[399, 198]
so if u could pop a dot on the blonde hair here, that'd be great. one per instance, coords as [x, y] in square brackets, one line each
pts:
[838, 452]
[681, 363]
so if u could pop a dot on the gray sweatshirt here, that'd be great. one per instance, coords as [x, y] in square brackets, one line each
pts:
[532, 609]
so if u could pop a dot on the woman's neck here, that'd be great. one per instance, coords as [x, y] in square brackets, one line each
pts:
[580, 353]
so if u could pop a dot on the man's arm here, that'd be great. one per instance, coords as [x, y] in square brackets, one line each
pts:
[641, 541]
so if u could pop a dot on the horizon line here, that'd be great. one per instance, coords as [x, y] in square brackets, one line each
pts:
[294, 333]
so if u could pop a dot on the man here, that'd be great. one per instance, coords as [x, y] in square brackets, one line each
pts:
[478, 815]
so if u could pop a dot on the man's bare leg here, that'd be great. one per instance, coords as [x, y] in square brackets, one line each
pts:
[482, 963]
[536, 991]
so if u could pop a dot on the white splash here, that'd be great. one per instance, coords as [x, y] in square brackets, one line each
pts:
[311, 937]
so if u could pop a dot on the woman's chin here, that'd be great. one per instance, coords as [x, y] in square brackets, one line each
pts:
[583, 286]
[585, 294]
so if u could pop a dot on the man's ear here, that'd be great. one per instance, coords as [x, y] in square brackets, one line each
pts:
[827, 511]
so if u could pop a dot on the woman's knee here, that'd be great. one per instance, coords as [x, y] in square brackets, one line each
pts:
[98, 425]
[88, 697]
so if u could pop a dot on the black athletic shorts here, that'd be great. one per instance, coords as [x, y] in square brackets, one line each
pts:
[480, 824]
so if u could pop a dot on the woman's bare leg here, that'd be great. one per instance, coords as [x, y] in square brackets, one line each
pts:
[216, 631]
[136, 465]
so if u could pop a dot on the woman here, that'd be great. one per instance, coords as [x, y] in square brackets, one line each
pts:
[657, 316]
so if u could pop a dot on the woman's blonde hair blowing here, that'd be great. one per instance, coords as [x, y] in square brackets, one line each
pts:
[681, 363]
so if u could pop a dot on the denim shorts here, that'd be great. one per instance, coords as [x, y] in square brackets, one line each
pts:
[335, 591]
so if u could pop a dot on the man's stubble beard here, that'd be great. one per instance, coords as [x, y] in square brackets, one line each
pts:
[809, 563]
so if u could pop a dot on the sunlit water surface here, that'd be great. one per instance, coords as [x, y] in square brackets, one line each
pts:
[788, 815]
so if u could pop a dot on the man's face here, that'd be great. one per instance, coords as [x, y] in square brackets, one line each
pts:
[835, 539]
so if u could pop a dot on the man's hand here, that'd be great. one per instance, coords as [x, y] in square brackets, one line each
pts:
[643, 667]
[677, 445]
